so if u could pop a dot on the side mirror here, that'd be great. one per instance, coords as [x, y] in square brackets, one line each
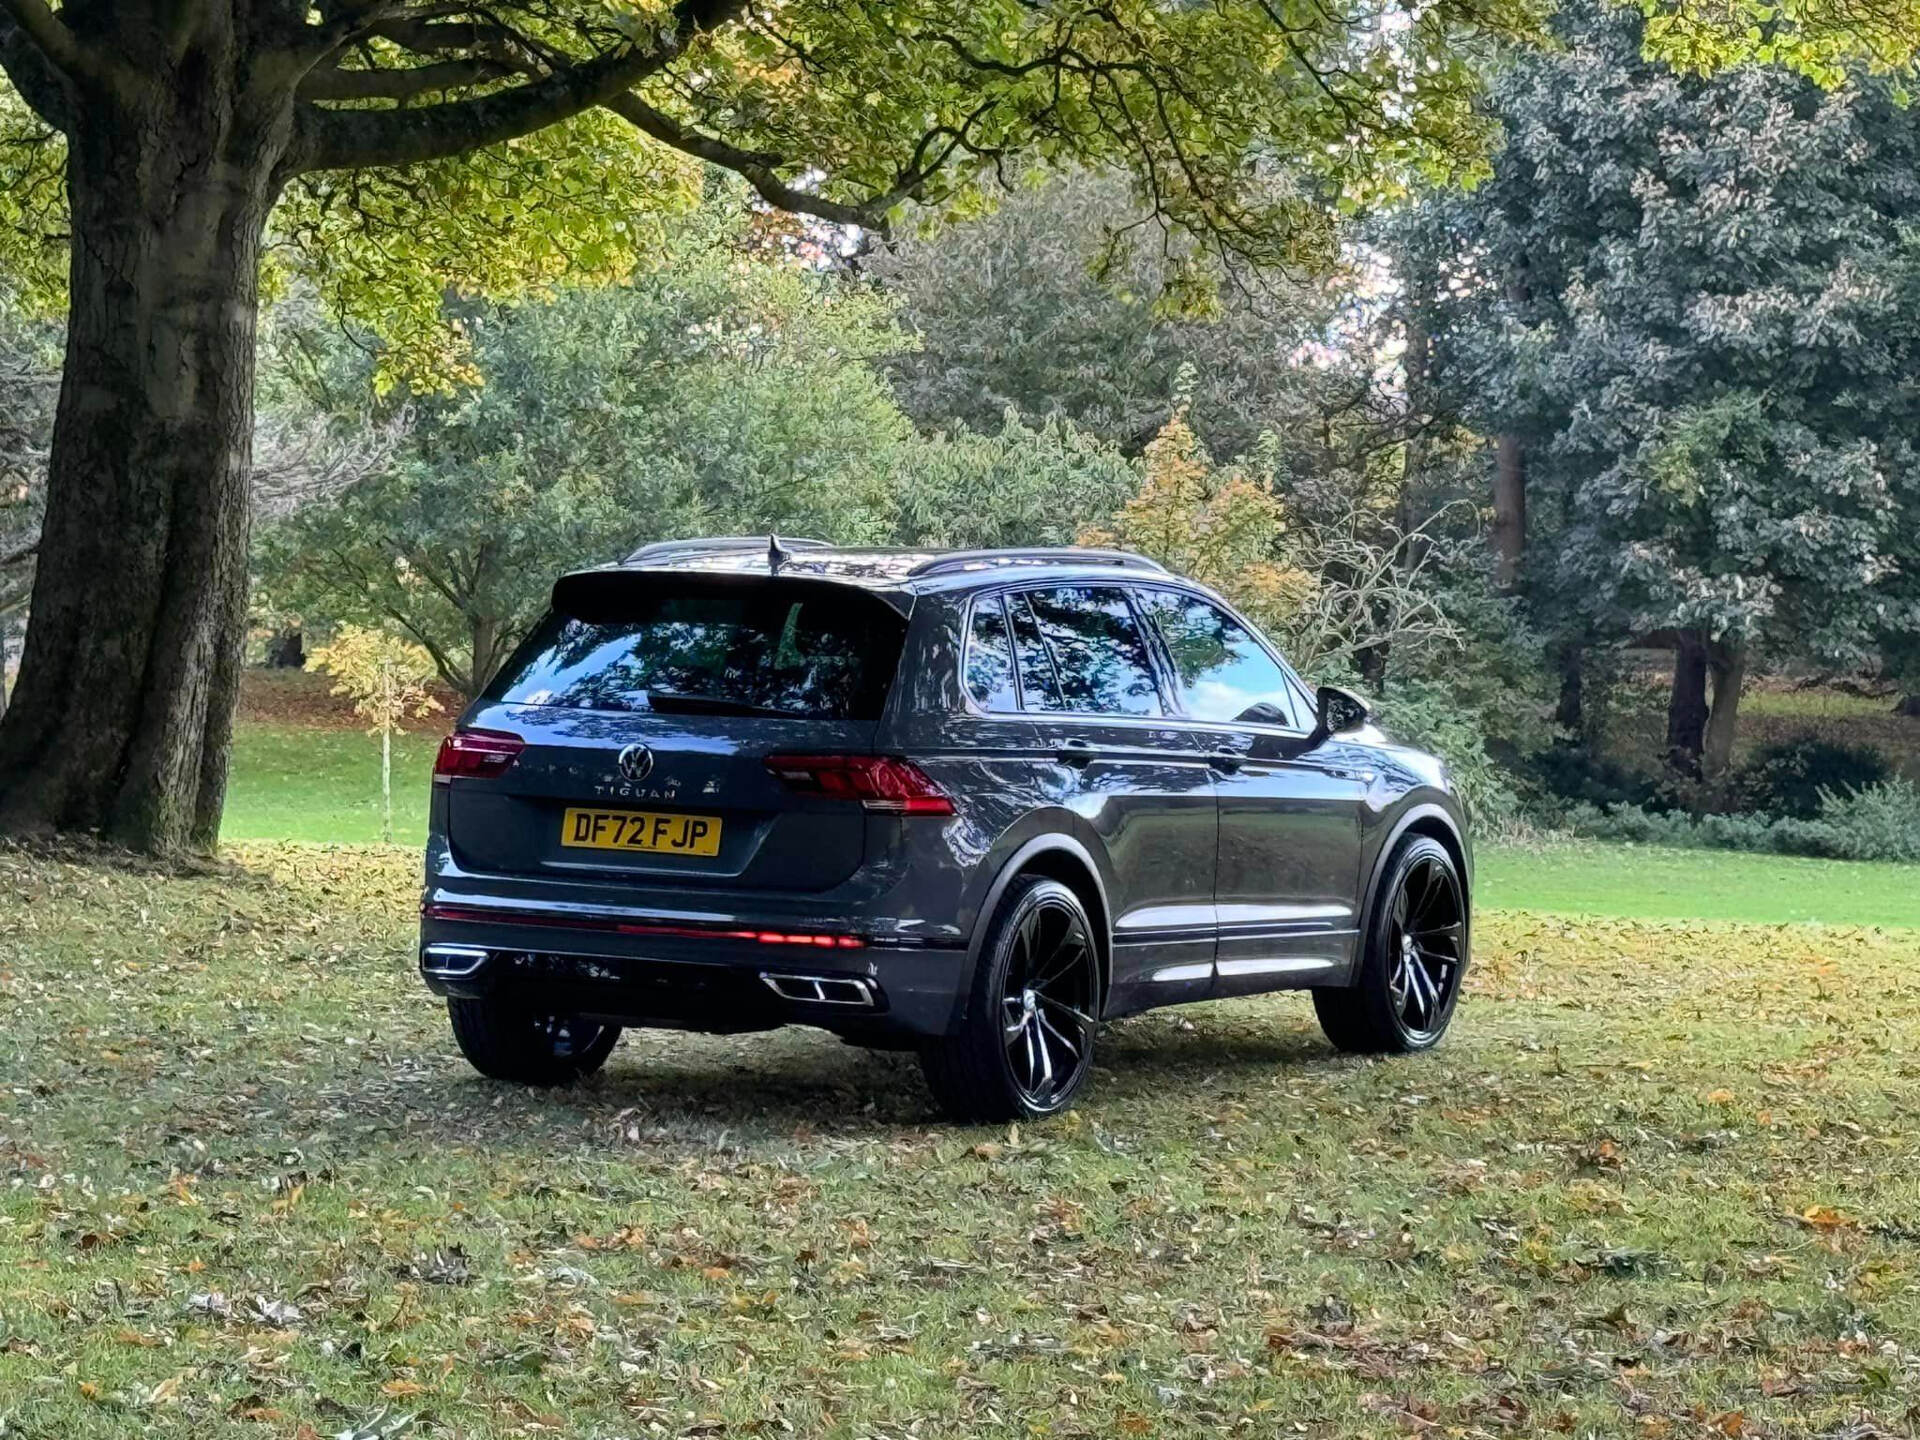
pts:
[1340, 711]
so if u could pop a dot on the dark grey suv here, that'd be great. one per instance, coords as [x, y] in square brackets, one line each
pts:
[970, 804]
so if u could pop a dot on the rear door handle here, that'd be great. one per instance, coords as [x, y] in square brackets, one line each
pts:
[1076, 753]
[1225, 761]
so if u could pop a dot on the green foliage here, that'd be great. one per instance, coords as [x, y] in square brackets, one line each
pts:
[710, 393]
[1019, 485]
[1792, 777]
[1052, 305]
[1687, 297]
[1246, 125]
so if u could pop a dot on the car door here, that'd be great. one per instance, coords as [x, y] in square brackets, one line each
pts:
[1287, 872]
[1137, 776]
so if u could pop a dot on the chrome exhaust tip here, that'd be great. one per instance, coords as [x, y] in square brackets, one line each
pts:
[452, 962]
[820, 989]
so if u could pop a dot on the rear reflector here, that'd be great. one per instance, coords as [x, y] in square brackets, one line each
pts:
[476, 752]
[685, 930]
[885, 783]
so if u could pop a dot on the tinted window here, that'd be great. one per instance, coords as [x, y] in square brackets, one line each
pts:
[1097, 649]
[681, 646]
[1223, 673]
[989, 662]
[1039, 685]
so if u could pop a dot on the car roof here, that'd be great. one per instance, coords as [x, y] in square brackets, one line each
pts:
[884, 568]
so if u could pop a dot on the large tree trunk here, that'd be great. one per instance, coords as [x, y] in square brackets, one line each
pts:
[1687, 704]
[1727, 665]
[122, 717]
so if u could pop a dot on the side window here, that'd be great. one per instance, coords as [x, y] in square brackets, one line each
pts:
[1223, 673]
[1097, 648]
[1039, 685]
[989, 660]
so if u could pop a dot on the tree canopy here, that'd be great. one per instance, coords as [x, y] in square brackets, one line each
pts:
[1687, 297]
[491, 149]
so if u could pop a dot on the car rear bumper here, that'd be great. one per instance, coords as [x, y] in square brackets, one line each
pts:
[685, 972]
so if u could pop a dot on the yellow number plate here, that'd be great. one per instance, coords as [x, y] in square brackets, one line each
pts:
[641, 830]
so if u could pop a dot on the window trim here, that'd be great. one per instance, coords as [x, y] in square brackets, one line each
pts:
[1303, 697]
[1002, 596]
[1013, 657]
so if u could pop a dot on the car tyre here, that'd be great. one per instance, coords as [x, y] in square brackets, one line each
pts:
[1026, 1045]
[504, 1040]
[1414, 959]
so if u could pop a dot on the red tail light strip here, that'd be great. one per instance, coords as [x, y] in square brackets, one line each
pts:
[463, 914]
[476, 752]
[886, 783]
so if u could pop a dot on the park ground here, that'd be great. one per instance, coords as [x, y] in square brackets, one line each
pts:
[1662, 1180]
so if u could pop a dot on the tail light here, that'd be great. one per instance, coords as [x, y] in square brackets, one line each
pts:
[884, 783]
[477, 753]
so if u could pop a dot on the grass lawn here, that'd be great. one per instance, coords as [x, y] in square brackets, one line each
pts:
[322, 784]
[1662, 1181]
[1652, 882]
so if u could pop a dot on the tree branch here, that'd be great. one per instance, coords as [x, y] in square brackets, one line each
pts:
[758, 167]
[353, 139]
[334, 84]
[41, 83]
[49, 35]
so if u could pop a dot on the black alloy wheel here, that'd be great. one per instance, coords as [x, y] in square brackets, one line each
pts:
[506, 1041]
[1415, 957]
[1028, 1041]
[1425, 933]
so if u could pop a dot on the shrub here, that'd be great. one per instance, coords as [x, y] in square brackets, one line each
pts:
[1793, 777]
[1875, 822]
[1879, 822]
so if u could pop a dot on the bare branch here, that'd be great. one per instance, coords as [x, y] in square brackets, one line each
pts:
[300, 462]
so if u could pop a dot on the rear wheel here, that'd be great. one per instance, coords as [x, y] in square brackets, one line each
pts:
[1415, 957]
[505, 1040]
[1027, 1043]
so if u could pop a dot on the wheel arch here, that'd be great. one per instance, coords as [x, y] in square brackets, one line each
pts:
[1055, 857]
[1428, 819]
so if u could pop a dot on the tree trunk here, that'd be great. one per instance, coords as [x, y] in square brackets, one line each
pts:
[1509, 511]
[1510, 473]
[1569, 714]
[1727, 664]
[287, 650]
[489, 641]
[386, 784]
[122, 718]
[1687, 704]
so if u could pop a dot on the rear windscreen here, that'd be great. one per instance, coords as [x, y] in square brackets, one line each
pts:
[687, 645]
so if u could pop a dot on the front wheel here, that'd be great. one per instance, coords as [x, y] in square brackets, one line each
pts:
[508, 1041]
[1414, 960]
[1027, 1042]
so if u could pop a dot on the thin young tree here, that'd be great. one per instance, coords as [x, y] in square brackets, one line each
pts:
[413, 145]
[386, 678]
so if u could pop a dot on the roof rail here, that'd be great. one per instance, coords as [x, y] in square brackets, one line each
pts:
[662, 551]
[1039, 555]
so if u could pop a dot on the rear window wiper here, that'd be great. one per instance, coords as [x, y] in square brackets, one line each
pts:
[668, 701]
